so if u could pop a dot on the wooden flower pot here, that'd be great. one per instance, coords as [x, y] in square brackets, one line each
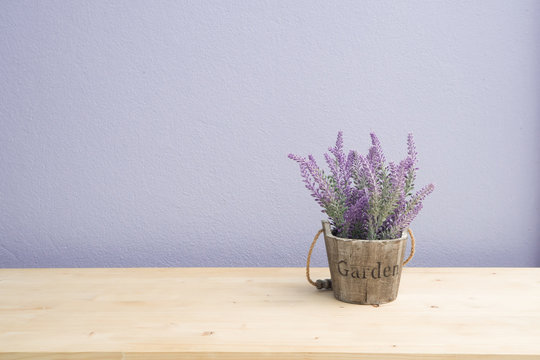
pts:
[364, 271]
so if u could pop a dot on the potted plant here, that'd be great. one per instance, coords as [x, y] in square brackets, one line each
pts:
[369, 205]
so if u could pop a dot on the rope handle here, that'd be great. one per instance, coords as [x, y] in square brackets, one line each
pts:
[327, 283]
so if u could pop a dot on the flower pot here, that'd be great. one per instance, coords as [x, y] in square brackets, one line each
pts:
[364, 271]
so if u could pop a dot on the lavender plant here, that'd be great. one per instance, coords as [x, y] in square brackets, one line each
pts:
[364, 197]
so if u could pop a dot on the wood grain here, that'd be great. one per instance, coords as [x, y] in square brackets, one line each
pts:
[364, 271]
[266, 313]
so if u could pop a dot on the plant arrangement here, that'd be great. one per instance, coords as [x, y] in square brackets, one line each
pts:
[364, 197]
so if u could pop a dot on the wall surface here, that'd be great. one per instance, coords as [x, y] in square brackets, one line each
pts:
[137, 133]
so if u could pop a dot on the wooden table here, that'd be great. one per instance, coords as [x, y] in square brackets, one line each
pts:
[264, 313]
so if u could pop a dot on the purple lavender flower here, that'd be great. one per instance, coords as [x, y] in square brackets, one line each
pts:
[413, 207]
[370, 174]
[411, 148]
[375, 154]
[363, 197]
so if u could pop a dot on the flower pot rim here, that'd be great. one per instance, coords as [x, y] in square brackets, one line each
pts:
[328, 233]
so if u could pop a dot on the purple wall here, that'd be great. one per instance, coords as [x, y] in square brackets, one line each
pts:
[136, 133]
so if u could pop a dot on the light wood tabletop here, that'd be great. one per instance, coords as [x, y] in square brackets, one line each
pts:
[264, 313]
